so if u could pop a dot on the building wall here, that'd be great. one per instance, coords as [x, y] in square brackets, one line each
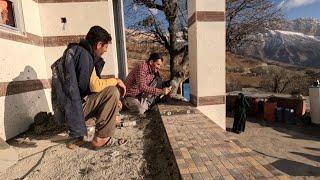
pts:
[207, 57]
[80, 17]
[27, 56]
[17, 111]
[210, 58]
[193, 55]
[21, 61]
[31, 17]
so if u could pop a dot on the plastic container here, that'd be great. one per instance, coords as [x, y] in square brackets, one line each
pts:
[129, 124]
[259, 108]
[279, 114]
[288, 116]
[270, 111]
[186, 91]
[253, 106]
[90, 133]
[91, 129]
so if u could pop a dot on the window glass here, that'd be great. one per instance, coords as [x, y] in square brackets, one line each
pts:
[7, 13]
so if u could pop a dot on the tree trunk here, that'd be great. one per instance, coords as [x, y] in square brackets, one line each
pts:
[181, 73]
[172, 64]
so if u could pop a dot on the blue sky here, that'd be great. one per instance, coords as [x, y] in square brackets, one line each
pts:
[292, 8]
[300, 8]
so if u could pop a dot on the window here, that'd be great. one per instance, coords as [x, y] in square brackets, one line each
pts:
[7, 14]
[11, 15]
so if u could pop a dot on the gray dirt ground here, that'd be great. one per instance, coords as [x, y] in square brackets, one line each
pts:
[144, 156]
[293, 149]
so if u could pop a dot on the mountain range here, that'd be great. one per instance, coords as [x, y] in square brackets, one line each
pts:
[307, 26]
[297, 42]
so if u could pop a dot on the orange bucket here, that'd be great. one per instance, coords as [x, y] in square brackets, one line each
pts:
[270, 111]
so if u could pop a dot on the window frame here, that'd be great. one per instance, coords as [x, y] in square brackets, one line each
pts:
[18, 17]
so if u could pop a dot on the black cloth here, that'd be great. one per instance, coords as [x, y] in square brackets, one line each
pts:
[70, 84]
[240, 114]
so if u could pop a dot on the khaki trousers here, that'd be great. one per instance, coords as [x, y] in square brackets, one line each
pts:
[104, 107]
[135, 105]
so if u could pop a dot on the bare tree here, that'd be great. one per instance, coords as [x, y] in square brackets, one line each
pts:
[233, 84]
[280, 80]
[248, 17]
[163, 22]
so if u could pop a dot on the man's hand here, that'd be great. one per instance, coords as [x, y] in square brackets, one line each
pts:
[122, 86]
[167, 90]
[120, 105]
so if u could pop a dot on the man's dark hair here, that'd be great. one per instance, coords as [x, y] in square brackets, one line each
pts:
[155, 56]
[97, 34]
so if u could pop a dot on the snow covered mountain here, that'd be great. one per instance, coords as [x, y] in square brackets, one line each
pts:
[308, 26]
[286, 47]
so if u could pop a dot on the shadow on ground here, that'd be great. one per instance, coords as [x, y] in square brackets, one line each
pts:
[157, 152]
[44, 127]
[313, 149]
[308, 156]
[293, 131]
[294, 168]
[298, 156]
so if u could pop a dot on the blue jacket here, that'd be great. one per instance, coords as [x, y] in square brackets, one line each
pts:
[70, 84]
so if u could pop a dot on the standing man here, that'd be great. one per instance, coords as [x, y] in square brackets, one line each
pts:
[79, 93]
[144, 85]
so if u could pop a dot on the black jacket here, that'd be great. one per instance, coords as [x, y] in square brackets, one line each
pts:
[70, 84]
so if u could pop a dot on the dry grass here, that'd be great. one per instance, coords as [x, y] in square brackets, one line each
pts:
[139, 52]
[233, 60]
[244, 80]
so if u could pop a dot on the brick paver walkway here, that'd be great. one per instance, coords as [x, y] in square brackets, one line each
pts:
[203, 150]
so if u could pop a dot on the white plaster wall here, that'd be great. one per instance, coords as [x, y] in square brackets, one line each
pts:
[51, 55]
[111, 56]
[217, 113]
[210, 58]
[54, 53]
[314, 94]
[31, 17]
[111, 64]
[210, 5]
[20, 61]
[80, 18]
[17, 111]
[207, 58]
[48, 96]
[26, 62]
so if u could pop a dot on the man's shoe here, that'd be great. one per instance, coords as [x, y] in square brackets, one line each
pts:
[75, 143]
[142, 116]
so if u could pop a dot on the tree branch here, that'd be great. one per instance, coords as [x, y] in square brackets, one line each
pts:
[150, 4]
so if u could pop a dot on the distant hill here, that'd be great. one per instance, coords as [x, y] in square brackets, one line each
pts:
[246, 72]
[286, 47]
[138, 51]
